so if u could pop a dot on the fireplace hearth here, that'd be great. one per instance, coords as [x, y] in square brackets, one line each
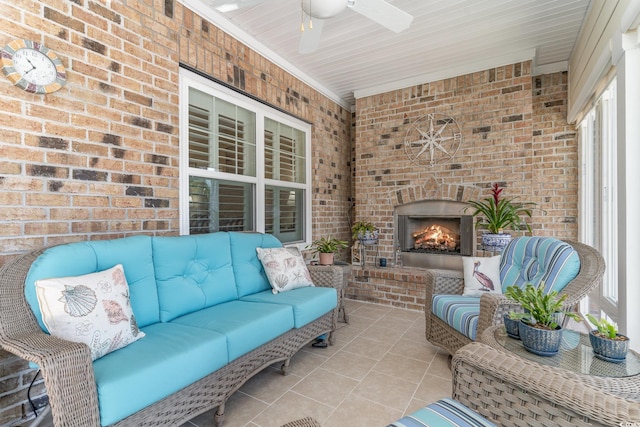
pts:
[433, 234]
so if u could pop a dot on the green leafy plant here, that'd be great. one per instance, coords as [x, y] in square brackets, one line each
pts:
[541, 309]
[327, 245]
[604, 327]
[360, 228]
[501, 213]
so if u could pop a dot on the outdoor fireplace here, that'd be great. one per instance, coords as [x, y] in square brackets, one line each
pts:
[434, 234]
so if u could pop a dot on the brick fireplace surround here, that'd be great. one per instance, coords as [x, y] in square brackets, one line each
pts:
[515, 133]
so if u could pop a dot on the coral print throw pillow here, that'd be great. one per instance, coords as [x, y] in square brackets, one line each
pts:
[285, 268]
[481, 275]
[93, 309]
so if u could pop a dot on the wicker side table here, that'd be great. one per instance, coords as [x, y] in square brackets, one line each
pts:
[332, 276]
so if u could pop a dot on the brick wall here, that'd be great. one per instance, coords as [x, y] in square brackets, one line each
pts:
[99, 158]
[515, 133]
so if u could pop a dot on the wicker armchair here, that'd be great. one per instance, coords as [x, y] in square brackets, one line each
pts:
[512, 391]
[494, 306]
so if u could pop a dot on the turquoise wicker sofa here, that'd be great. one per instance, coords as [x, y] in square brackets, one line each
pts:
[206, 308]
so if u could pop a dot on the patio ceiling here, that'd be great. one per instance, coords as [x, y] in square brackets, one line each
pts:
[357, 57]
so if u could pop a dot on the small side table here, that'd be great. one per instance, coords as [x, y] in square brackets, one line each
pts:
[575, 355]
[334, 276]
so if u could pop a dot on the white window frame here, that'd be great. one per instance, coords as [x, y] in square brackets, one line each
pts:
[599, 196]
[189, 79]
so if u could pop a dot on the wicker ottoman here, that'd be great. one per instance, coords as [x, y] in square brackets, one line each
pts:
[444, 412]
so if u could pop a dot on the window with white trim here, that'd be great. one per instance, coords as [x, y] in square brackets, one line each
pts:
[245, 166]
[599, 191]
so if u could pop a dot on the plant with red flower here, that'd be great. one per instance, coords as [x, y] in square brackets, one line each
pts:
[501, 213]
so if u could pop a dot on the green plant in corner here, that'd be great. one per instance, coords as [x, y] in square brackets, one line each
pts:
[541, 309]
[327, 245]
[605, 328]
[361, 228]
[501, 213]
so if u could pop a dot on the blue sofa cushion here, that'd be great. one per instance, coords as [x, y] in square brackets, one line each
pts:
[246, 325]
[192, 272]
[443, 413]
[76, 259]
[170, 357]
[247, 268]
[458, 311]
[308, 303]
[538, 259]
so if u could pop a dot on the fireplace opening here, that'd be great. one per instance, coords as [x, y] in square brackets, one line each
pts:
[437, 238]
[434, 234]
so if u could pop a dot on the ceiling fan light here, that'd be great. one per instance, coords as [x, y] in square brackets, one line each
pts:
[324, 9]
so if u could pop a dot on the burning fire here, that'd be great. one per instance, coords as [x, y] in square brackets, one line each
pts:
[436, 237]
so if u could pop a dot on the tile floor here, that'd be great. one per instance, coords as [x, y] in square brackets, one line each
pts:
[380, 368]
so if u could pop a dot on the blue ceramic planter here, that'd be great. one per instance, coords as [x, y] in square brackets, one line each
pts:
[512, 327]
[607, 349]
[543, 342]
[495, 242]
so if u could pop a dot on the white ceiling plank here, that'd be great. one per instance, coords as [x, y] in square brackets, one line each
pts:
[356, 54]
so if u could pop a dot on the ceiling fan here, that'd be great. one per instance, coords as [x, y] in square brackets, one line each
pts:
[379, 11]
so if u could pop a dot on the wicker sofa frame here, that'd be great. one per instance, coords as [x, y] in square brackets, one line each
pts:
[515, 392]
[493, 306]
[68, 372]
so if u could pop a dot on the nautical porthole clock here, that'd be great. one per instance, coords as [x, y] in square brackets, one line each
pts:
[432, 139]
[32, 66]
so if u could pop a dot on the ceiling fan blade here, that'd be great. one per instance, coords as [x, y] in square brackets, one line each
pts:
[385, 14]
[310, 37]
[231, 5]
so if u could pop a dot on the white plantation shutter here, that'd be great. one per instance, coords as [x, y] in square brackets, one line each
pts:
[228, 189]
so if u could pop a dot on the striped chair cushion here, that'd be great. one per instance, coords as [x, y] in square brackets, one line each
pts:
[538, 259]
[443, 413]
[459, 312]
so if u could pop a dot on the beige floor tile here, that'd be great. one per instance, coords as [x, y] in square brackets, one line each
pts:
[368, 347]
[239, 411]
[350, 365]
[405, 368]
[399, 325]
[414, 405]
[371, 311]
[384, 334]
[357, 411]
[269, 385]
[420, 350]
[386, 390]
[440, 366]
[306, 361]
[433, 388]
[398, 313]
[292, 406]
[360, 322]
[326, 387]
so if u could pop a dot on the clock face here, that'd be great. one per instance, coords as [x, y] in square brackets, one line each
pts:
[32, 66]
[432, 139]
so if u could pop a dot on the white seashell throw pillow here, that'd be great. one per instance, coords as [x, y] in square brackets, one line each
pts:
[285, 268]
[93, 309]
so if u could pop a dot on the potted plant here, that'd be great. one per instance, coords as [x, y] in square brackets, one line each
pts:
[539, 329]
[606, 342]
[512, 324]
[326, 247]
[365, 232]
[499, 214]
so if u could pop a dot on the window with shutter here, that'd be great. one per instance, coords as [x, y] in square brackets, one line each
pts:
[246, 165]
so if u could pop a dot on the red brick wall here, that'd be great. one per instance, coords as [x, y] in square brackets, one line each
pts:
[99, 158]
[515, 133]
